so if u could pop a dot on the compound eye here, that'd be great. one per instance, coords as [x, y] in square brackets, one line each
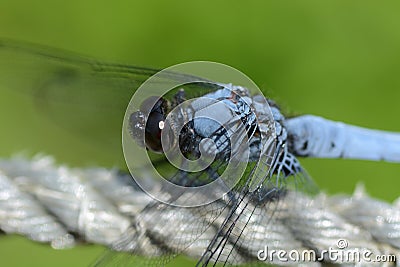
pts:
[156, 107]
[154, 126]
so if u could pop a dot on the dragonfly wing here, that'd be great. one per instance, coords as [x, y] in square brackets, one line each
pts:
[231, 230]
[160, 233]
[80, 94]
[257, 219]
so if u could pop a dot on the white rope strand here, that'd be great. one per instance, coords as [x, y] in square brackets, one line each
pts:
[68, 198]
[20, 213]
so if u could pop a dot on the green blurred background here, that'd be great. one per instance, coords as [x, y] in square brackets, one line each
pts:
[337, 59]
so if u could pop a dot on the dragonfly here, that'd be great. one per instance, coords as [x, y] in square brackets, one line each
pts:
[252, 211]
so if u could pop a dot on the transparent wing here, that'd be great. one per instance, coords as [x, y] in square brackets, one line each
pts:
[259, 219]
[230, 231]
[161, 231]
[80, 94]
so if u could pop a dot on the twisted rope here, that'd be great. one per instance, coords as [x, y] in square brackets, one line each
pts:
[56, 204]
